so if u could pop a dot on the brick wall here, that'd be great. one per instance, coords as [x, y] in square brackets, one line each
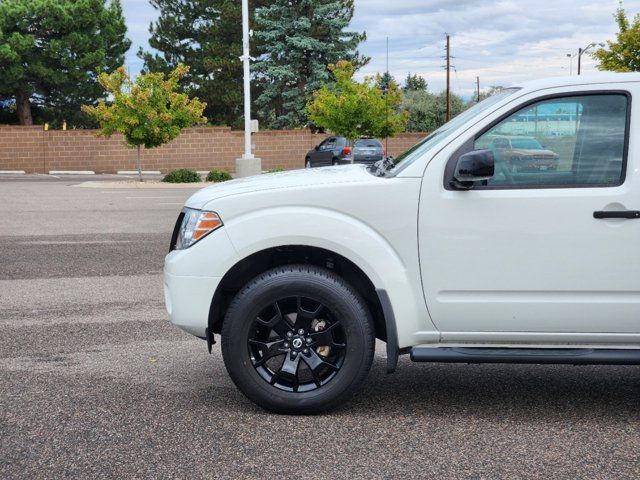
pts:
[36, 151]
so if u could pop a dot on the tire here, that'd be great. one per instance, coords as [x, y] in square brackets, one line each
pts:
[334, 162]
[307, 163]
[256, 338]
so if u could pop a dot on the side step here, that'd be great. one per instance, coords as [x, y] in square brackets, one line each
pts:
[574, 356]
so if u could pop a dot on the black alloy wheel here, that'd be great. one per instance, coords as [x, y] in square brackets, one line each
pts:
[298, 339]
[296, 344]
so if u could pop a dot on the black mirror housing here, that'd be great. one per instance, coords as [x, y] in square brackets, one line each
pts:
[473, 167]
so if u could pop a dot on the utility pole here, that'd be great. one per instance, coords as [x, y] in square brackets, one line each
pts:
[448, 115]
[248, 164]
[478, 89]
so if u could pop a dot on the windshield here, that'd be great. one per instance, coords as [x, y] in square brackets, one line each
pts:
[415, 152]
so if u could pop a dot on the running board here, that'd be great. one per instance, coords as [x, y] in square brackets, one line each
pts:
[574, 356]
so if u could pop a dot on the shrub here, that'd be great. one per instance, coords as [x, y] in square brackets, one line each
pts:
[184, 175]
[275, 170]
[218, 176]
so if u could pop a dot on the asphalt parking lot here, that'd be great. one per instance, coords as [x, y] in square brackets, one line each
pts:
[96, 383]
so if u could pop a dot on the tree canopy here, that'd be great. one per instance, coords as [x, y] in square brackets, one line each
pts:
[298, 40]
[352, 109]
[385, 81]
[415, 83]
[207, 36]
[148, 111]
[427, 111]
[623, 54]
[51, 52]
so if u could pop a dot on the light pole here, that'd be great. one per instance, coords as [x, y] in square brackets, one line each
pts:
[247, 80]
[583, 50]
[570, 57]
[248, 164]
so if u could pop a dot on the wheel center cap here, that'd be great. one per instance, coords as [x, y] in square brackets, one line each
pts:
[297, 343]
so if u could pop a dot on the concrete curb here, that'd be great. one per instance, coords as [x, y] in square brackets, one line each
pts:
[12, 172]
[71, 172]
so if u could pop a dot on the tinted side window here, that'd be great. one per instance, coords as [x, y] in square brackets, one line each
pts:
[568, 141]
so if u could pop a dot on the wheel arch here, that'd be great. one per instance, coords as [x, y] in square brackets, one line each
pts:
[256, 263]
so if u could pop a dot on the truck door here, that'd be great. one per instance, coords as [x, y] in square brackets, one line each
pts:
[550, 249]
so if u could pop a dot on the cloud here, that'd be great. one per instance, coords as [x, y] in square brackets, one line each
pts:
[503, 41]
[138, 14]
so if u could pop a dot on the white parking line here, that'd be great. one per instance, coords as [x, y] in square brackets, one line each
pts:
[152, 198]
[71, 242]
[135, 172]
[129, 191]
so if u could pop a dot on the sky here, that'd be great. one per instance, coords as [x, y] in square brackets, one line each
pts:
[502, 42]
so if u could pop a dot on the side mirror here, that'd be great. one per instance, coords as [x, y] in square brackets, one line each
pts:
[316, 147]
[473, 167]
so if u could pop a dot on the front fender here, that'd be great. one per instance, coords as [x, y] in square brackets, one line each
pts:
[387, 268]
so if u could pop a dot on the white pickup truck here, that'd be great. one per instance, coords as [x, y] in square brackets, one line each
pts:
[446, 253]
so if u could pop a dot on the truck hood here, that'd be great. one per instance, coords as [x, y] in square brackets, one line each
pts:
[310, 177]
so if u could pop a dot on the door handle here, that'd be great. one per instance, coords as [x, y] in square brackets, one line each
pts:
[617, 214]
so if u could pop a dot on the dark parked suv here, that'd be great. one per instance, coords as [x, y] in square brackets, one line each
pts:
[338, 150]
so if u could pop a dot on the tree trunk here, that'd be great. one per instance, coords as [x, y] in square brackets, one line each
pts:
[139, 165]
[23, 107]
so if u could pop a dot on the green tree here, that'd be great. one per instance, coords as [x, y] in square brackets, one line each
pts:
[385, 81]
[427, 111]
[299, 39]
[623, 55]
[415, 83]
[149, 111]
[52, 50]
[352, 109]
[207, 36]
[392, 96]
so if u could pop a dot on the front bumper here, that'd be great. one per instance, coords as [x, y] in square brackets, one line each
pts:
[191, 277]
[188, 301]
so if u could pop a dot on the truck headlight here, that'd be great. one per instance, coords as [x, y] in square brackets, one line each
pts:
[192, 226]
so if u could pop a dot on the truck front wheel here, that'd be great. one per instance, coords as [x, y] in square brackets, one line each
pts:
[298, 339]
